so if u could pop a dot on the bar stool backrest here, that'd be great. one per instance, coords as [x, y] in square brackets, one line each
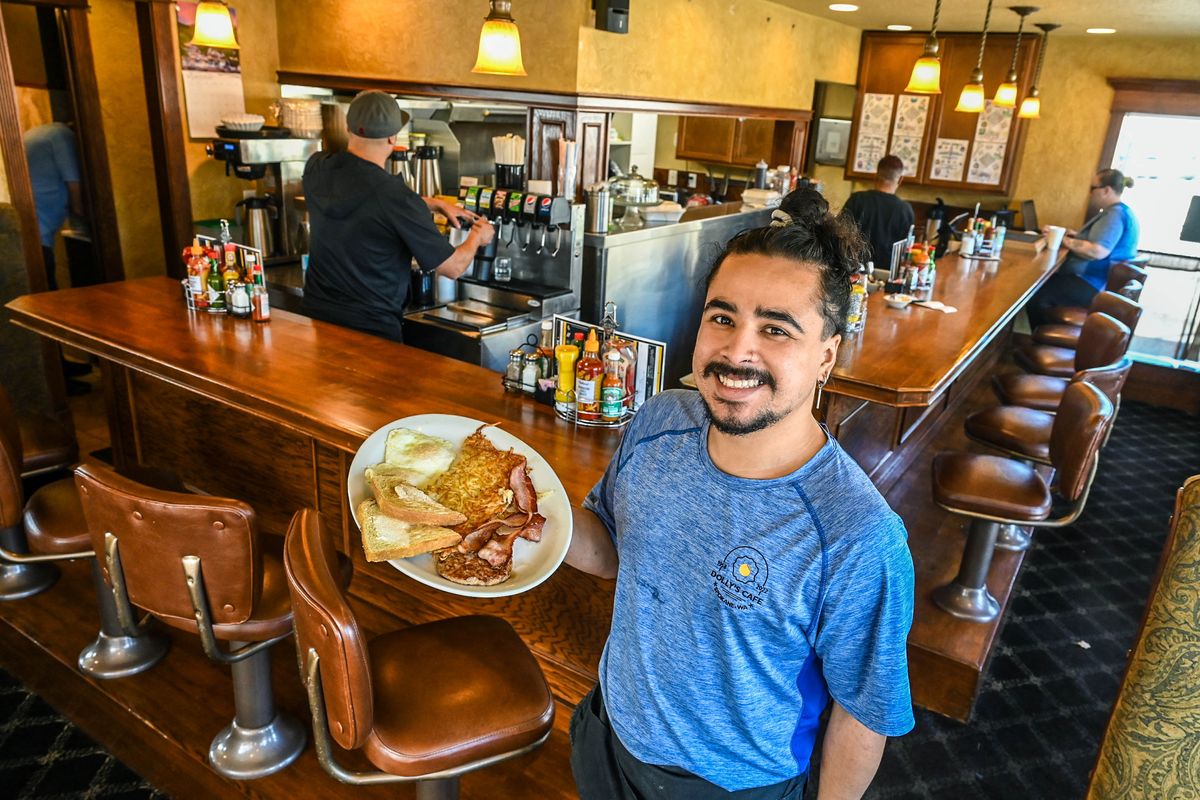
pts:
[1123, 272]
[1103, 340]
[156, 529]
[1109, 379]
[12, 493]
[1132, 290]
[324, 622]
[1120, 308]
[1075, 439]
[9, 429]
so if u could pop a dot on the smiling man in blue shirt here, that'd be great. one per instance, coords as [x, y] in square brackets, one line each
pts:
[761, 578]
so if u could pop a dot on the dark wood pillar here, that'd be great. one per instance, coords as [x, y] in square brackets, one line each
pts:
[156, 21]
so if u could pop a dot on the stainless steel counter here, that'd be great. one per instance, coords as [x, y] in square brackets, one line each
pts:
[656, 274]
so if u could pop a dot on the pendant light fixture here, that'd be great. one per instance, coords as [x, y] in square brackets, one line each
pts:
[499, 43]
[971, 99]
[1031, 106]
[927, 72]
[213, 26]
[1006, 94]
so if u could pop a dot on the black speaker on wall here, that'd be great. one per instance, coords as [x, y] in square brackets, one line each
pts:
[612, 15]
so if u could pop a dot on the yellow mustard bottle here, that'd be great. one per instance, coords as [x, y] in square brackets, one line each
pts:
[566, 355]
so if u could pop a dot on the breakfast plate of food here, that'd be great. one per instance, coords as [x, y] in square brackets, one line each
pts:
[459, 505]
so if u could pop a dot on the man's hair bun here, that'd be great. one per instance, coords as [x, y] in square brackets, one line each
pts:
[805, 206]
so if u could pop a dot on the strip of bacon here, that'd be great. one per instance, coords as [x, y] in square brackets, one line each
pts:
[523, 491]
[478, 537]
[533, 530]
[499, 549]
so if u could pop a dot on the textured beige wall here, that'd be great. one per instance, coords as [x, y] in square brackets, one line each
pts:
[118, 65]
[750, 52]
[414, 40]
[1062, 149]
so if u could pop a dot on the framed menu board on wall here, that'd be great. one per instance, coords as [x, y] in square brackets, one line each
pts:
[938, 145]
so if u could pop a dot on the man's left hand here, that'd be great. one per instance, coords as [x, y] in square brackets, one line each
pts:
[450, 211]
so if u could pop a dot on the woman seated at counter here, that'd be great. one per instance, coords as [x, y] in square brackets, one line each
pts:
[1108, 237]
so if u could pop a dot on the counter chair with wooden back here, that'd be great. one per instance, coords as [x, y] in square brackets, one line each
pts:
[1152, 737]
[197, 563]
[1116, 306]
[1126, 278]
[1024, 433]
[427, 703]
[993, 491]
[51, 527]
[44, 445]
[1102, 343]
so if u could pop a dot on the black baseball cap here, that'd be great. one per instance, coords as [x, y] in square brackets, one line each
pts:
[375, 115]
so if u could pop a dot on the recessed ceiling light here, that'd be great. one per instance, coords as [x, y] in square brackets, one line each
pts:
[1101, 30]
[843, 7]
[899, 27]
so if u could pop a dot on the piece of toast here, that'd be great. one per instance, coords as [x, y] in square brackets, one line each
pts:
[385, 538]
[399, 499]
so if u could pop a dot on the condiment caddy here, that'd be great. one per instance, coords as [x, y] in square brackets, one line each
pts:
[224, 277]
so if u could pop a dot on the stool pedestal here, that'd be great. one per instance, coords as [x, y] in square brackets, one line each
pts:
[18, 581]
[114, 653]
[967, 597]
[259, 741]
[1014, 537]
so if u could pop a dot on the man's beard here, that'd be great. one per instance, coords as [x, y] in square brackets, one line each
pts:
[730, 427]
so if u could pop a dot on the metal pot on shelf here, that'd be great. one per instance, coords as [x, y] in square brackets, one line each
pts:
[257, 222]
[427, 172]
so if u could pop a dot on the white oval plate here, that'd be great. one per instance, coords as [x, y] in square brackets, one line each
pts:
[533, 562]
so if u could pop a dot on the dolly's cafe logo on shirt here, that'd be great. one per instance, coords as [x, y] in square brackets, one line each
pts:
[740, 578]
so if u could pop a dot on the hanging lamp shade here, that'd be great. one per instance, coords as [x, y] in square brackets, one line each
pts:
[213, 26]
[499, 43]
[1006, 94]
[927, 72]
[971, 100]
[1031, 106]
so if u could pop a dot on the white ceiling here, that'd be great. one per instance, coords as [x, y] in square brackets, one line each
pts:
[1129, 17]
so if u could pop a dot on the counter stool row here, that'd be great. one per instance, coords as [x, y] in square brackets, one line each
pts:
[199, 564]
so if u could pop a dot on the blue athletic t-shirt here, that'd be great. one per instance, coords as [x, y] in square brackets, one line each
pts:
[742, 605]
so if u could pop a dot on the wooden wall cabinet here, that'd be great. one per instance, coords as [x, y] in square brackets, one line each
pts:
[589, 129]
[884, 67]
[742, 141]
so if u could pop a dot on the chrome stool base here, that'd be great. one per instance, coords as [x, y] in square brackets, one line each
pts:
[18, 581]
[1015, 538]
[444, 789]
[973, 605]
[121, 656]
[246, 753]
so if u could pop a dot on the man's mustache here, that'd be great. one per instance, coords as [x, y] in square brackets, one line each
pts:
[718, 369]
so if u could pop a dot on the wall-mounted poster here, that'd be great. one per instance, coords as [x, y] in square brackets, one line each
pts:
[993, 124]
[868, 152]
[949, 158]
[833, 141]
[212, 77]
[987, 162]
[911, 111]
[908, 150]
[874, 123]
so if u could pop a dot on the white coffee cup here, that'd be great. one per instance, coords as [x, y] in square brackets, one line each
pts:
[1054, 236]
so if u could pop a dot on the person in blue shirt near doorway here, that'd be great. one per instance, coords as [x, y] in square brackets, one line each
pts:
[1107, 238]
[54, 173]
[761, 579]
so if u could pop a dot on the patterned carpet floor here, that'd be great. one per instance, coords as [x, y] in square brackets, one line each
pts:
[1040, 715]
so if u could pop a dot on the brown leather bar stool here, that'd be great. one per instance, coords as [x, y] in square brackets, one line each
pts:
[197, 564]
[486, 701]
[51, 527]
[993, 491]
[1116, 306]
[44, 445]
[1101, 341]
[1126, 278]
[1024, 433]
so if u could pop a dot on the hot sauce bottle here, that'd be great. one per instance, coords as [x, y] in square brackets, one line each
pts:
[589, 373]
[612, 388]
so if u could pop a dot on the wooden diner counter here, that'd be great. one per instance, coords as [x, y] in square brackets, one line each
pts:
[910, 367]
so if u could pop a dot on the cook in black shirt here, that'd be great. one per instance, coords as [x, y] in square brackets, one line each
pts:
[367, 226]
[882, 216]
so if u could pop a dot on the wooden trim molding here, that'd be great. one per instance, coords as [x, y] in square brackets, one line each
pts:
[156, 23]
[538, 99]
[1156, 96]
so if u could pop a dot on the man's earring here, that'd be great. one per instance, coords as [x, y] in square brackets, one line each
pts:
[820, 387]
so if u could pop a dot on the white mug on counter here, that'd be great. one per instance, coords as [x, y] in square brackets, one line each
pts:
[1054, 236]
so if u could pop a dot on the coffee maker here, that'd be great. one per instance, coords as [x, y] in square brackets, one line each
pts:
[276, 165]
[531, 271]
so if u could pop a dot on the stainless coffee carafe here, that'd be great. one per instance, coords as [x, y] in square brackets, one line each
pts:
[399, 164]
[256, 222]
[426, 171]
